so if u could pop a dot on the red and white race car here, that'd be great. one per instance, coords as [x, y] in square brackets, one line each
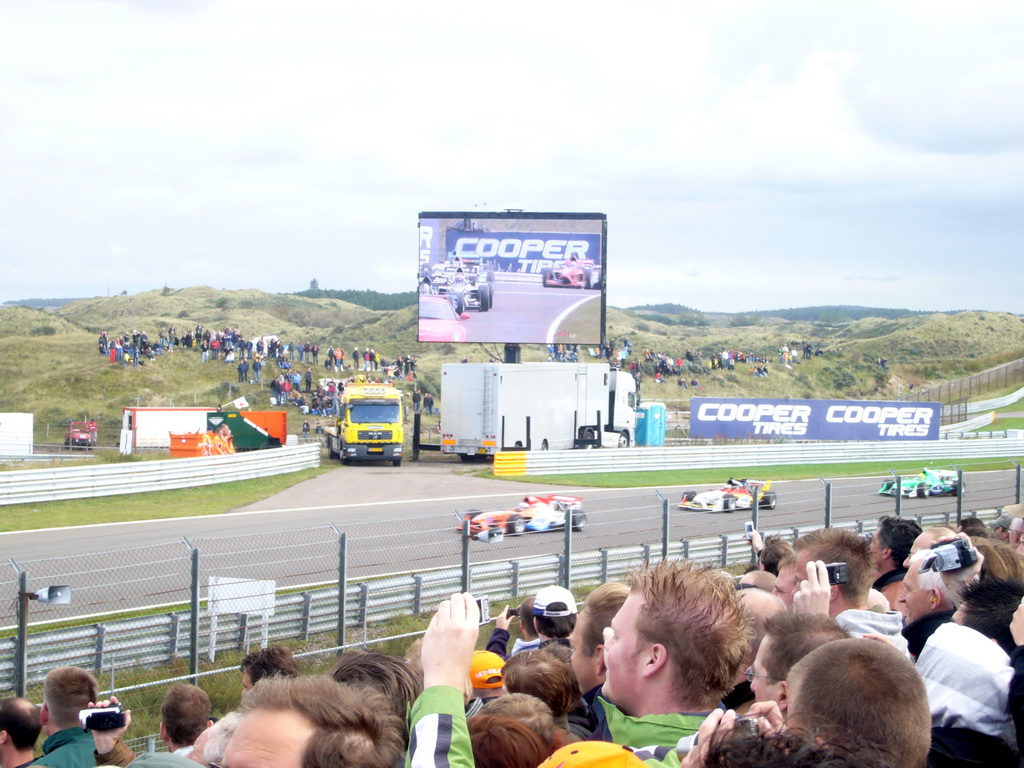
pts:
[572, 273]
[533, 513]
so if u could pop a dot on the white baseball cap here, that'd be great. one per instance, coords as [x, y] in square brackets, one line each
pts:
[554, 601]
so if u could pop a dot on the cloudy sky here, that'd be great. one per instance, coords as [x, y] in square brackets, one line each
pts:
[749, 155]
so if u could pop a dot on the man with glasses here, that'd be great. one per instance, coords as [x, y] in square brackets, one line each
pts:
[759, 606]
[788, 637]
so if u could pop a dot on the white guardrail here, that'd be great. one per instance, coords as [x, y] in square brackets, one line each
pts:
[757, 455]
[968, 426]
[991, 405]
[36, 485]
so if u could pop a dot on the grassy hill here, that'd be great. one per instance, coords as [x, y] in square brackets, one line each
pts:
[55, 371]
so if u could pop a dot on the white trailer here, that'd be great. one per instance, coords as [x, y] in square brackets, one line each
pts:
[16, 434]
[489, 407]
[152, 427]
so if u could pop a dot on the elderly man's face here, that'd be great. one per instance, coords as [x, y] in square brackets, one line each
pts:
[266, 739]
[918, 601]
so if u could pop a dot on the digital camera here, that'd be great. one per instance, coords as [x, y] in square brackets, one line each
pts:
[103, 719]
[950, 556]
[837, 573]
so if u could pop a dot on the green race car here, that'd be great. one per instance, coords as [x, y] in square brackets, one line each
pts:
[930, 482]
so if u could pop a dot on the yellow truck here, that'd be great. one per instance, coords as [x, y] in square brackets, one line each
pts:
[370, 424]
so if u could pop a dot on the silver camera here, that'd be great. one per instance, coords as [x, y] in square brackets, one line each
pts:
[950, 556]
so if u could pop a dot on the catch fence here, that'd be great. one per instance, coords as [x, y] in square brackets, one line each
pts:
[186, 603]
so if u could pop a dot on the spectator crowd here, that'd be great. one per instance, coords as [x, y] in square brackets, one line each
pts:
[902, 649]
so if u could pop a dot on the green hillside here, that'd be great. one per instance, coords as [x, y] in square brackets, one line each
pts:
[55, 371]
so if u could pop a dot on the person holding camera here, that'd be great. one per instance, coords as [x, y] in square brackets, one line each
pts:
[66, 692]
[844, 598]
[925, 601]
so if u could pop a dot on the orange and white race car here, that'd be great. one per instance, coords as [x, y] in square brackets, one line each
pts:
[533, 513]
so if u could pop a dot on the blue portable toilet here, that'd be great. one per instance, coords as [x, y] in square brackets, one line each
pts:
[651, 419]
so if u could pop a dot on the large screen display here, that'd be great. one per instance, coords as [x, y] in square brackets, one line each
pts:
[512, 277]
[740, 419]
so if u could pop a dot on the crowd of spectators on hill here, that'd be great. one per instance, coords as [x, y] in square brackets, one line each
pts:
[290, 369]
[901, 658]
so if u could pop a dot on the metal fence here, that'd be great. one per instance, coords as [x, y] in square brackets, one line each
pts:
[966, 389]
[185, 602]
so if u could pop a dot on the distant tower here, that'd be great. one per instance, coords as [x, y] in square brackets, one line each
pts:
[314, 285]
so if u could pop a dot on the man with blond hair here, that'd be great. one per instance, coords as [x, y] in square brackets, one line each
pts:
[66, 692]
[672, 653]
[847, 603]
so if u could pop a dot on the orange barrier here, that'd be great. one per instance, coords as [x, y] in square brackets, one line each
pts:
[200, 444]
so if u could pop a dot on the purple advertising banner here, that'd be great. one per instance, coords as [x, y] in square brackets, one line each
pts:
[872, 420]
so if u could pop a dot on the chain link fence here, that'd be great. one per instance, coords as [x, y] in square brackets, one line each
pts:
[145, 616]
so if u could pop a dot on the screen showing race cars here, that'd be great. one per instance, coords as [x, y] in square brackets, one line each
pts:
[512, 277]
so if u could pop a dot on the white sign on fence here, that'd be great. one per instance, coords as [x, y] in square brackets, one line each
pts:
[230, 595]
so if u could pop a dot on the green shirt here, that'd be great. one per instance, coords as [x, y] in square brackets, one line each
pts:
[70, 748]
[653, 737]
[438, 734]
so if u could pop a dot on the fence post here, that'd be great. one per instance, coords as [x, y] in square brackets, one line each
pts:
[899, 493]
[243, 631]
[828, 501]
[417, 593]
[515, 580]
[1017, 490]
[604, 565]
[567, 550]
[686, 549]
[959, 494]
[193, 636]
[307, 607]
[664, 528]
[101, 634]
[342, 584]
[21, 664]
[725, 549]
[175, 629]
[647, 554]
[465, 553]
[364, 602]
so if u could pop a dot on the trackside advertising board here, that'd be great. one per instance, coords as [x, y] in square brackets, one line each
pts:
[514, 277]
[871, 420]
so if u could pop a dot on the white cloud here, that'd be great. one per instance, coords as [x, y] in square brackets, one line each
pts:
[827, 143]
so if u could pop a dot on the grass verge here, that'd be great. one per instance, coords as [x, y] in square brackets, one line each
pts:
[186, 502]
[784, 472]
